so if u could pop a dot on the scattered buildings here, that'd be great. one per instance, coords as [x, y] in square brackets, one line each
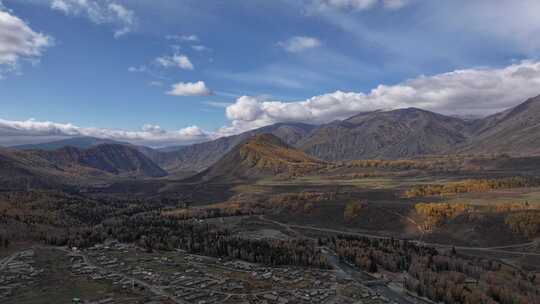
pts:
[179, 277]
[17, 272]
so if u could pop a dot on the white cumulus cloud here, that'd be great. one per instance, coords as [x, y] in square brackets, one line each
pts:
[469, 91]
[18, 41]
[475, 91]
[299, 43]
[31, 131]
[100, 12]
[198, 88]
[127, 18]
[177, 61]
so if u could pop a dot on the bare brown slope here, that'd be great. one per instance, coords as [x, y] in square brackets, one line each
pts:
[20, 170]
[515, 131]
[386, 135]
[260, 156]
[111, 158]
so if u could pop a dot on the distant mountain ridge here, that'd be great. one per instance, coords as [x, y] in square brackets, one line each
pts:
[83, 142]
[67, 166]
[20, 171]
[111, 158]
[390, 134]
[514, 131]
[72, 149]
[402, 133]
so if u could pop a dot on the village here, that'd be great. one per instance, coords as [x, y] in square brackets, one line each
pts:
[179, 277]
[203, 280]
[17, 272]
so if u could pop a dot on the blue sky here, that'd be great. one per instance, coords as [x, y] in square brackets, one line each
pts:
[165, 72]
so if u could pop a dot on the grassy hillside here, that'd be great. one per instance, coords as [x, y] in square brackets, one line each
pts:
[261, 156]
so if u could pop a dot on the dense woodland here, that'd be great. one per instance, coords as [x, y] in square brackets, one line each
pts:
[152, 231]
[56, 218]
[245, 206]
[443, 277]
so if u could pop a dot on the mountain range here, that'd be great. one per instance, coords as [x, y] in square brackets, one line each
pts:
[111, 158]
[73, 166]
[402, 133]
[77, 142]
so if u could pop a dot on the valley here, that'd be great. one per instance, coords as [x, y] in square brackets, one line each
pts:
[384, 207]
[269, 152]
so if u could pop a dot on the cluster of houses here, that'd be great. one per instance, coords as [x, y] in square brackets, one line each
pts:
[17, 272]
[186, 278]
[204, 280]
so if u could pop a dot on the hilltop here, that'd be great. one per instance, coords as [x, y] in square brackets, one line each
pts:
[260, 156]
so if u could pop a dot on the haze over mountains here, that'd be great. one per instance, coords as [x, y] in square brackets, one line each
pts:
[402, 133]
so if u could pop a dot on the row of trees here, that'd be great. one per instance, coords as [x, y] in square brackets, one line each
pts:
[403, 164]
[448, 163]
[471, 185]
[207, 213]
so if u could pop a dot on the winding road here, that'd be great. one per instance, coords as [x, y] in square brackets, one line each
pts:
[498, 249]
